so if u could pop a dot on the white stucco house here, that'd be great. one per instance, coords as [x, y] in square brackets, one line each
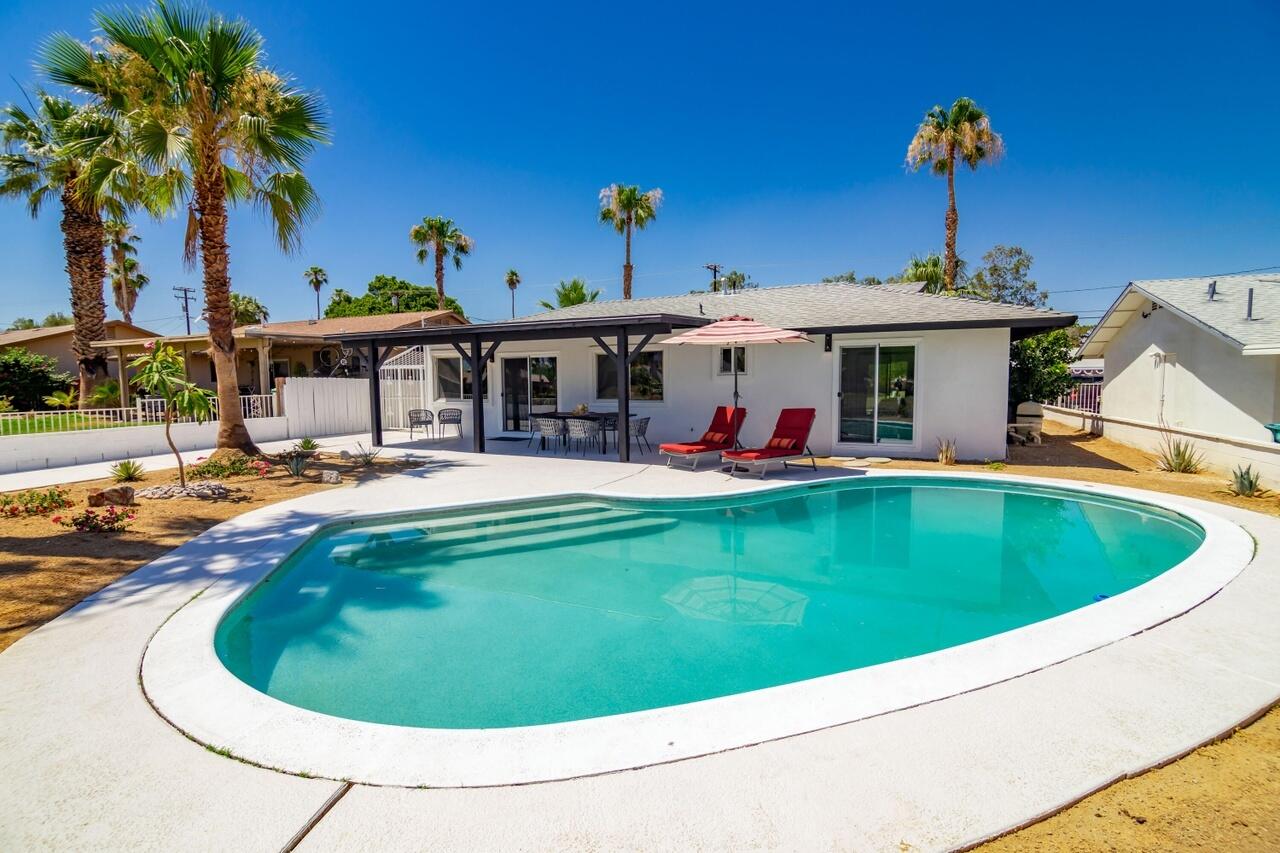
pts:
[1197, 358]
[890, 370]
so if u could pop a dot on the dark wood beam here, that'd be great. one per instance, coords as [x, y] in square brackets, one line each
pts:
[478, 363]
[600, 343]
[375, 396]
[623, 359]
[639, 348]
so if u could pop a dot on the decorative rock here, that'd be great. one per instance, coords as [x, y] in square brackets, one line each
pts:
[879, 460]
[332, 478]
[116, 495]
[344, 454]
[857, 463]
[204, 489]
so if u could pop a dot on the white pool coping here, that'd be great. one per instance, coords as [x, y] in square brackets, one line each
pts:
[187, 683]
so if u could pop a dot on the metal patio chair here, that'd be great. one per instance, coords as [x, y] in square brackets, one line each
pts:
[640, 433]
[584, 430]
[547, 429]
[450, 417]
[423, 419]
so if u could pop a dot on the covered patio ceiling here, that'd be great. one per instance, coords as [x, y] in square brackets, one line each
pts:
[477, 343]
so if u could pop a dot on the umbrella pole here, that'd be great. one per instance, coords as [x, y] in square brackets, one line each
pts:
[733, 356]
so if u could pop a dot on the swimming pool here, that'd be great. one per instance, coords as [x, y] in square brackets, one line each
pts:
[576, 608]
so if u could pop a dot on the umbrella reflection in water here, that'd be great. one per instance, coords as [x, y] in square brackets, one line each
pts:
[727, 598]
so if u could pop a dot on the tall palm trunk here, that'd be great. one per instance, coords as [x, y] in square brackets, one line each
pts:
[439, 275]
[626, 265]
[317, 303]
[82, 240]
[953, 223]
[211, 210]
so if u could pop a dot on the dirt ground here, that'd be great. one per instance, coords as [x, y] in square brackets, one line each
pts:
[1222, 797]
[46, 569]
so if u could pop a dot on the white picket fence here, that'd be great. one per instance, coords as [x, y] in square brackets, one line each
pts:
[1084, 397]
[146, 411]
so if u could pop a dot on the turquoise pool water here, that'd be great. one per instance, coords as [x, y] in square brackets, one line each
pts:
[545, 612]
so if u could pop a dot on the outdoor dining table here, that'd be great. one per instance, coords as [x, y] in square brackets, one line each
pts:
[586, 416]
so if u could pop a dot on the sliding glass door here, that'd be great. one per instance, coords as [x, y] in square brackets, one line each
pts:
[528, 387]
[876, 394]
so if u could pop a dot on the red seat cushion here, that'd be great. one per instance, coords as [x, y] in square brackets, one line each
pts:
[757, 455]
[689, 448]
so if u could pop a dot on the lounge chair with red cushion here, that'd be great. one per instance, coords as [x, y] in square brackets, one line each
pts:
[789, 443]
[726, 424]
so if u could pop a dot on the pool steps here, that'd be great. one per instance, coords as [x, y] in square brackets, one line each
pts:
[493, 533]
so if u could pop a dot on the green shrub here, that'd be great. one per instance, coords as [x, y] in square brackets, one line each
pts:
[215, 469]
[110, 520]
[26, 378]
[34, 502]
[1179, 456]
[127, 471]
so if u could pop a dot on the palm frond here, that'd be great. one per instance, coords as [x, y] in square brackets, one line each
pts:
[291, 203]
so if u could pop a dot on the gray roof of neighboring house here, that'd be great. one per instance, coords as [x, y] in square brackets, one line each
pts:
[1225, 315]
[825, 308]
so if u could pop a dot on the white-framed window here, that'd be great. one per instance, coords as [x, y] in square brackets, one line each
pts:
[453, 378]
[725, 357]
[647, 383]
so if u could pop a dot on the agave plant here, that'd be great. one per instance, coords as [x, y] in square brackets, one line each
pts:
[1246, 483]
[1179, 456]
[127, 471]
[947, 451]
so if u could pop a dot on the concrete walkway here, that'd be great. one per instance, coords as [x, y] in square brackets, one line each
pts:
[160, 462]
[87, 763]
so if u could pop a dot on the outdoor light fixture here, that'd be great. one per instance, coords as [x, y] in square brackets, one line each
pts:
[826, 343]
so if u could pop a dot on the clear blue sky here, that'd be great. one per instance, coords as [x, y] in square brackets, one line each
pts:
[1141, 143]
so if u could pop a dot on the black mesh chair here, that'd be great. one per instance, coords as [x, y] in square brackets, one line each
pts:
[450, 417]
[609, 424]
[422, 419]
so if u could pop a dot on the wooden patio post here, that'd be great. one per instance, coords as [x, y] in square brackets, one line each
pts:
[375, 397]
[478, 367]
[624, 396]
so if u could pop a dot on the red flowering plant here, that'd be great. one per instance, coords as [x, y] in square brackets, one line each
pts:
[34, 502]
[110, 520]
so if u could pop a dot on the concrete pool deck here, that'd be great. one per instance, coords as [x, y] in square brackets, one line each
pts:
[88, 762]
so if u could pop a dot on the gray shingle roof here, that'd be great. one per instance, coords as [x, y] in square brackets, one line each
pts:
[828, 307]
[1223, 316]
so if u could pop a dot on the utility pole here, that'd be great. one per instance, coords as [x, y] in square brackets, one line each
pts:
[184, 296]
[715, 273]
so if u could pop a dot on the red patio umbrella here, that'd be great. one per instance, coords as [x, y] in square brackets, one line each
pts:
[737, 331]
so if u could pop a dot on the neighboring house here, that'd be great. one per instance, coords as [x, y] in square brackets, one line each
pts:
[1194, 357]
[55, 342]
[890, 370]
[292, 348]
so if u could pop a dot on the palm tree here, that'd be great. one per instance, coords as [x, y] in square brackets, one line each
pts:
[628, 209]
[317, 278]
[930, 269]
[123, 268]
[963, 132]
[513, 281]
[732, 281]
[247, 311]
[220, 126]
[572, 292]
[438, 236]
[49, 151]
